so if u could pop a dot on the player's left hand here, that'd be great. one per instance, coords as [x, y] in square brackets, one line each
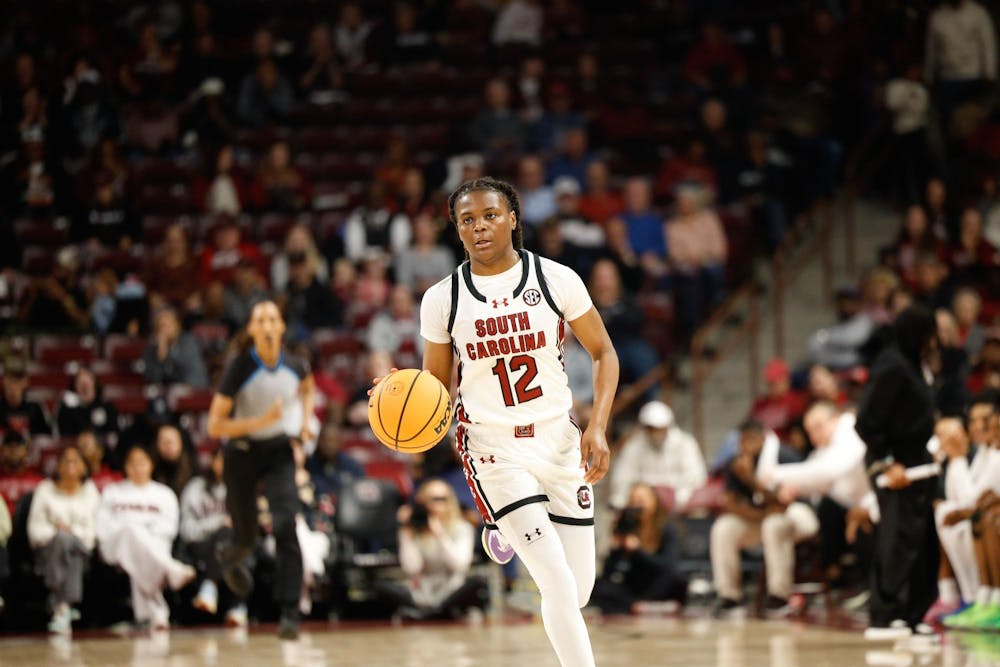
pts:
[306, 435]
[594, 449]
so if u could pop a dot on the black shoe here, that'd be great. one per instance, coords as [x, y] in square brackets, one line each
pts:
[235, 573]
[288, 627]
[725, 607]
[775, 607]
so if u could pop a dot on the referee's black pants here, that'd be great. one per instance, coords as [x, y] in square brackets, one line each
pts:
[270, 461]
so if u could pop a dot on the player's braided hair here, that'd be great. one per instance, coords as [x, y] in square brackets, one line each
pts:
[502, 188]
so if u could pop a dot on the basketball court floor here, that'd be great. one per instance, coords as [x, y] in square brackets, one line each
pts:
[627, 642]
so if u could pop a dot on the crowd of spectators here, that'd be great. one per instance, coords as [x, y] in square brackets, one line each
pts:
[166, 167]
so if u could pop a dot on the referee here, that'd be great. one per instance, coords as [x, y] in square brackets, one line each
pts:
[264, 401]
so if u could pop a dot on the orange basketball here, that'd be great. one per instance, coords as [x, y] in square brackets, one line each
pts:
[409, 411]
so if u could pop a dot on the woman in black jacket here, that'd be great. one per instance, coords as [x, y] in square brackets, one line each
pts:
[896, 419]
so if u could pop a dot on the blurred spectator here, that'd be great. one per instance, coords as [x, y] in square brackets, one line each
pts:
[84, 409]
[467, 21]
[407, 42]
[37, 180]
[62, 530]
[599, 202]
[136, 526]
[436, 546]
[172, 355]
[780, 406]
[938, 207]
[373, 226]
[580, 371]
[17, 478]
[658, 454]
[92, 448]
[619, 251]
[344, 279]
[426, 261]
[623, 320]
[17, 414]
[87, 108]
[989, 208]
[645, 226]
[265, 97]
[529, 87]
[244, 292]
[322, 79]
[175, 461]
[350, 35]
[496, 129]
[171, 275]
[209, 121]
[106, 161]
[967, 306]
[974, 260]
[916, 237]
[960, 53]
[722, 147]
[378, 364]
[148, 75]
[762, 182]
[204, 527]
[908, 100]
[519, 22]
[840, 345]
[222, 190]
[564, 21]
[822, 49]
[641, 566]
[557, 121]
[697, 252]
[108, 218]
[413, 197]
[714, 62]
[691, 166]
[573, 159]
[395, 163]
[309, 302]
[824, 386]
[299, 245]
[538, 201]
[751, 514]
[56, 302]
[227, 249]
[281, 186]
[932, 288]
[397, 328]
[986, 373]
[329, 467]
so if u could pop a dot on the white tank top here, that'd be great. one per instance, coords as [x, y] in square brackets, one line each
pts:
[507, 331]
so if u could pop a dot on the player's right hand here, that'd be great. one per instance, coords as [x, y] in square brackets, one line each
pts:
[375, 381]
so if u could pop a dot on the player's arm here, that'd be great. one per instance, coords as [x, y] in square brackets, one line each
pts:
[307, 395]
[438, 359]
[589, 330]
[221, 425]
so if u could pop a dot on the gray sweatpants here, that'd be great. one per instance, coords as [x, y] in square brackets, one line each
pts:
[61, 563]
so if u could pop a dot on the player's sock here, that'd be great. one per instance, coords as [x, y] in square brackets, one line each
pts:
[538, 546]
[948, 592]
[579, 547]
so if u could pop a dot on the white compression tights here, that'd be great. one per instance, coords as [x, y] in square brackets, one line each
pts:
[561, 560]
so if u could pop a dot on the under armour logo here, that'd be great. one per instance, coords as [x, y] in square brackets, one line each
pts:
[483, 459]
[528, 536]
[497, 302]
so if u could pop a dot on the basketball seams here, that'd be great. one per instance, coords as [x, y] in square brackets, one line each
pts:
[422, 438]
[429, 419]
[402, 408]
[378, 404]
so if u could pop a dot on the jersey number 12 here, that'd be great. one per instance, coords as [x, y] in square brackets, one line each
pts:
[520, 393]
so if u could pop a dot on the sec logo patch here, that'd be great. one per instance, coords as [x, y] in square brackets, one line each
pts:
[532, 297]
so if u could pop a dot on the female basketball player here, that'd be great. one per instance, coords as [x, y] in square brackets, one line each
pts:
[503, 312]
[264, 400]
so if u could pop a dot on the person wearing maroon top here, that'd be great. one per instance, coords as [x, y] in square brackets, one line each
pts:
[17, 478]
[973, 259]
[220, 258]
[714, 61]
[92, 449]
[599, 202]
[781, 406]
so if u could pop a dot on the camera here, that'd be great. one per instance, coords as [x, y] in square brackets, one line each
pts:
[628, 521]
[419, 519]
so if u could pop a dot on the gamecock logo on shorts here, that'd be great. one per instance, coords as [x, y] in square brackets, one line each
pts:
[583, 497]
[532, 297]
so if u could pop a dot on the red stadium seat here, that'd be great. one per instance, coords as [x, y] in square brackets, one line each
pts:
[47, 233]
[56, 350]
[707, 499]
[393, 470]
[126, 400]
[124, 350]
[183, 398]
[329, 342]
[37, 261]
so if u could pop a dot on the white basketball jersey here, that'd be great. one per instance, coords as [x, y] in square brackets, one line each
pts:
[507, 331]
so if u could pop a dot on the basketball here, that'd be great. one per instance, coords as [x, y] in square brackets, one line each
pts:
[409, 411]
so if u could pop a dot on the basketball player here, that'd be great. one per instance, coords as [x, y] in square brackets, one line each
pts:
[265, 400]
[503, 313]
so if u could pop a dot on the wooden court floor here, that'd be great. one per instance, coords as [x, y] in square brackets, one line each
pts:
[618, 643]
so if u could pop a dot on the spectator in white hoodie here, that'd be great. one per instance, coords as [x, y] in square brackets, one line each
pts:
[205, 524]
[659, 454]
[62, 526]
[136, 527]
